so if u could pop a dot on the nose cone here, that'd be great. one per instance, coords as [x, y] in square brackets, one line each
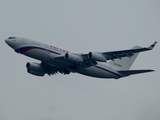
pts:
[7, 41]
[11, 42]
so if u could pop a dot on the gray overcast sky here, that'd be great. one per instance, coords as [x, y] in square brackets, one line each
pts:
[80, 26]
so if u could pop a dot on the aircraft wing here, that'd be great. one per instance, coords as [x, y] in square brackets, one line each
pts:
[71, 61]
[104, 56]
[126, 53]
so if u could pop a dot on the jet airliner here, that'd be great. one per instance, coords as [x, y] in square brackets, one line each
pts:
[113, 64]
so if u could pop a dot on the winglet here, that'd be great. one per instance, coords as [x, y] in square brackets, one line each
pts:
[152, 46]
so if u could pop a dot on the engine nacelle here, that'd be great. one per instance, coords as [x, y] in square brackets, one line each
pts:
[73, 58]
[35, 69]
[97, 57]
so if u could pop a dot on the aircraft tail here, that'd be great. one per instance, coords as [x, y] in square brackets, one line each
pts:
[126, 62]
[131, 72]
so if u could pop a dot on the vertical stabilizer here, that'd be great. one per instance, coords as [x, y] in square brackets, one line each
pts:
[126, 62]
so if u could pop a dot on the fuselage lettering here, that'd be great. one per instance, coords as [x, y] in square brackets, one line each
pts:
[58, 49]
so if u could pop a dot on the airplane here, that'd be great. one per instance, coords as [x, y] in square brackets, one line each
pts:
[113, 64]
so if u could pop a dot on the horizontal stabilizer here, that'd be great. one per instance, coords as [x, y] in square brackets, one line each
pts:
[131, 72]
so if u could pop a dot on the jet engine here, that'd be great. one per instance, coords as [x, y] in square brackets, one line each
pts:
[73, 58]
[35, 69]
[97, 57]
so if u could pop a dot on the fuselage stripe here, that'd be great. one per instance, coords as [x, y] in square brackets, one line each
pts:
[22, 50]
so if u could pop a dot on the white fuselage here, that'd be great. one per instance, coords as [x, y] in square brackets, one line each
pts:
[45, 52]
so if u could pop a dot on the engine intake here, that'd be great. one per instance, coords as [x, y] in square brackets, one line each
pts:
[35, 69]
[73, 58]
[97, 57]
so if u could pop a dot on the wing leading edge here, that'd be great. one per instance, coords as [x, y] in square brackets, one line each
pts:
[116, 54]
[126, 53]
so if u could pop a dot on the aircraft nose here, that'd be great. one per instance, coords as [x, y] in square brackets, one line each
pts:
[7, 41]
[11, 42]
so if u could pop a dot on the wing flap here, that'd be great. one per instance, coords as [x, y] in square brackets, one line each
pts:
[132, 72]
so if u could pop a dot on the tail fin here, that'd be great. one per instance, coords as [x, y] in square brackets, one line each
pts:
[126, 62]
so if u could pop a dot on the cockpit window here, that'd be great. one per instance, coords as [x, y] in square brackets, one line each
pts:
[12, 38]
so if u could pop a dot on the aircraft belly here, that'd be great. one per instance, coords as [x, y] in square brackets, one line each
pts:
[36, 54]
[99, 71]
